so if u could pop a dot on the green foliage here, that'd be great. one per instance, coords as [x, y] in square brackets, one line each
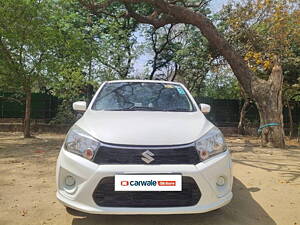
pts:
[60, 48]
[26, 39]
[194, 59]
[65, 114]
[221, 85]
[93, 49]
[262, 29]
[105, 44]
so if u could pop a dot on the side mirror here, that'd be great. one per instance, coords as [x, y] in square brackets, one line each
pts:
[205, 108]
[79, 106]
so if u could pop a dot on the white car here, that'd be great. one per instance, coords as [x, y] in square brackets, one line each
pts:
[143, 147]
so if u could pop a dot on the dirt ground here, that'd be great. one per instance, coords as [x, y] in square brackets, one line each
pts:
[266, 187]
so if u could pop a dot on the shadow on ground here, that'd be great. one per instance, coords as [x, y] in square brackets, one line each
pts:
[21, 149]
[243, 209]
[283, 168]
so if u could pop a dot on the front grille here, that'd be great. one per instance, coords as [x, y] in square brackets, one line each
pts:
[116, 154]
[104, 195]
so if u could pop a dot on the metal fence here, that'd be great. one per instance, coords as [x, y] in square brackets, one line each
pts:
[223, 113]
[43, 106]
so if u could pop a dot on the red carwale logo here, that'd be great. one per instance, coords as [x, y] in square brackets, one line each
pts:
[124, 183]
[167, 183]
[148, 182]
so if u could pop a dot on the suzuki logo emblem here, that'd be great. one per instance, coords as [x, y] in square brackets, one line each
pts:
[147, 156]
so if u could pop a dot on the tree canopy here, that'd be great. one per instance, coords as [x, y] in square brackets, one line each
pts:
[67, 47]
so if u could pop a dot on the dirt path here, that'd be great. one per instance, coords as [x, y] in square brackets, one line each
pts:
[266, 187]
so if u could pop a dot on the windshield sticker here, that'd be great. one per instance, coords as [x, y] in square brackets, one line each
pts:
[169, 86]
[180, 90]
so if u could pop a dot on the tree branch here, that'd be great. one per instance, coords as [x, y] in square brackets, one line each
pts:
[152, 19]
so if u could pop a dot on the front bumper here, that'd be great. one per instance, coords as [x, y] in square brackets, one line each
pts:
[88, 175]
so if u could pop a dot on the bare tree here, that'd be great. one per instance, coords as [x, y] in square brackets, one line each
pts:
[161, 45]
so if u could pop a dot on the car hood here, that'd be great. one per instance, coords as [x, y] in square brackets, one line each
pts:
[144, 127]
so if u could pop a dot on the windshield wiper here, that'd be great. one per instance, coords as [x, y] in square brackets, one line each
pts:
[178, 110]
[136, 108]
[144, 108]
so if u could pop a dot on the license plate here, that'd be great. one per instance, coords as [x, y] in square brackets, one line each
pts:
[148, 182]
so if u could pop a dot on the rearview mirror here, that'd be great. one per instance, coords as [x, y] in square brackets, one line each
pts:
[79, 106]
[205, 108]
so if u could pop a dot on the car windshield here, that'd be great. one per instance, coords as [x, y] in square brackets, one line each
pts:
[143, 96]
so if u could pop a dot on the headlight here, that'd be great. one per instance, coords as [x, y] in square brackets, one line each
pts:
[81, 143]
[210, 144]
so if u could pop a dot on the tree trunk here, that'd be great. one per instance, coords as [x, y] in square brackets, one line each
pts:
[241, 129]
[268, 98]
[174, 73]
[89, 93]
[89, 88]
[153, 68]
[27, 114]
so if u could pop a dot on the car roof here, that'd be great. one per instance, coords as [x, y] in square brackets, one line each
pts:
[145, 81]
